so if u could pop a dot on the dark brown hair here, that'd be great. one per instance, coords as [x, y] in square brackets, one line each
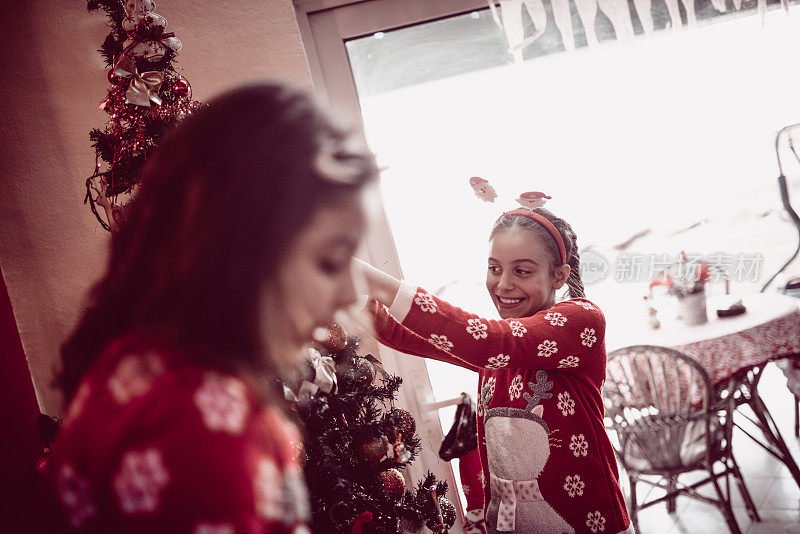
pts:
[574, 282]
[221, 198]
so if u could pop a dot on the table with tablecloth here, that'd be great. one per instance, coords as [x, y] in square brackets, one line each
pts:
[769, 329]
[732, 350]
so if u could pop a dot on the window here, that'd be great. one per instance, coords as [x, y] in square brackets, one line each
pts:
[663, 145]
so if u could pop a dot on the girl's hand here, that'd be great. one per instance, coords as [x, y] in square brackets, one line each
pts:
[380, 286]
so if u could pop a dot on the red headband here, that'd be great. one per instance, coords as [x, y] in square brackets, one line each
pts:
[547, 224]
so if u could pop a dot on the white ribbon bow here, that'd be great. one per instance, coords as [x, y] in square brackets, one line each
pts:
[325, 371]
[143, 86]
[511, 492]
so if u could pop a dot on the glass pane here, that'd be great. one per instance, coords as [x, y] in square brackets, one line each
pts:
[473, 41]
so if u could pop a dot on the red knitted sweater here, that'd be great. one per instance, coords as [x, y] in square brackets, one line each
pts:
[153, 442]
[548, 465]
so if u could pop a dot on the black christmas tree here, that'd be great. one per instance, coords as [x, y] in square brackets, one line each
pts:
[145, 99]
[357, 442]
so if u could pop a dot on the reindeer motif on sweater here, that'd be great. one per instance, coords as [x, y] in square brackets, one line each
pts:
[517, 503]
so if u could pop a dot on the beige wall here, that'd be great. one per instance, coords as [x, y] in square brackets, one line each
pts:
[51, 247]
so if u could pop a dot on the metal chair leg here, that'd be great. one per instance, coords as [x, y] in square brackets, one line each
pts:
[671, 486]
[724, 505]
[773, 435]
[634, 516]
[750, 507]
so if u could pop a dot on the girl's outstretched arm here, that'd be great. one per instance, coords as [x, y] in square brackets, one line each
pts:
[396, 336]
[568, 336]
[383, 288]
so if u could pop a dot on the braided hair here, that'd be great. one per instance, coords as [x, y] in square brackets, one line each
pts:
[574, 282]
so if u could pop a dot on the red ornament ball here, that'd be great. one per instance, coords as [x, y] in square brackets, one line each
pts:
[407, 425]
[337, 338]
[182, 88]
[448, 512]
[114, 79]
[374, 449]
[393, 483]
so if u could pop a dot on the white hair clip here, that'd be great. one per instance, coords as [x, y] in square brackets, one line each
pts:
[343, 161]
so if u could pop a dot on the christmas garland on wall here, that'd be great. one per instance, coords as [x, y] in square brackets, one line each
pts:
[145, 99]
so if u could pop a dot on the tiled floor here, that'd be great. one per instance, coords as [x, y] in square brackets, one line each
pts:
[774, 491]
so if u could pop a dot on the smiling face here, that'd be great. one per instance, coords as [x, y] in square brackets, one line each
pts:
[520, 277]
[314, 279]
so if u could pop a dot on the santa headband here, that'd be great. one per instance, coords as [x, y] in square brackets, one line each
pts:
[530, 200]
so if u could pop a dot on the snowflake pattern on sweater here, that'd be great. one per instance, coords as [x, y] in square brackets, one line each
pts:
[596, 522]
[566, 404]
[515, 389]
[517, 329]
[476, 328]
[73, 491]
[153, 438]
[134, 375]
[569, 361]
[573, 485]
[222, 403]
[140, 481]
[579, 480]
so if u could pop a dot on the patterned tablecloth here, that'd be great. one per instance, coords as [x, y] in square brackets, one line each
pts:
[768, 330]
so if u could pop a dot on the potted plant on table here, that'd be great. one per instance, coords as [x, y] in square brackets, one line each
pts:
[686, 281]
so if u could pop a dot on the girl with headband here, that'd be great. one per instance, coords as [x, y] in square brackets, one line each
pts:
[548, 465]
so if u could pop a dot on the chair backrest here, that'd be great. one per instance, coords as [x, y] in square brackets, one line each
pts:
[659, 402]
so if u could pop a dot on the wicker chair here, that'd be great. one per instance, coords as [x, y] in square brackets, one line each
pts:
[661, 406]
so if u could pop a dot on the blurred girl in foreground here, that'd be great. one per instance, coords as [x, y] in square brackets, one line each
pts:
[236, 248]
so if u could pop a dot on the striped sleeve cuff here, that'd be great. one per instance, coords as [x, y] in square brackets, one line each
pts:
[402, 302]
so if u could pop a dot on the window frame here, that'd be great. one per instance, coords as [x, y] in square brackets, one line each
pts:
[325, 26]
